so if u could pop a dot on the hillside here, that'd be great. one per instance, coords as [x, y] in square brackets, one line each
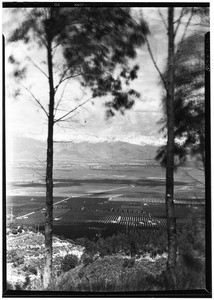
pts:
[25, 262]
[112, 264]
[25, 255]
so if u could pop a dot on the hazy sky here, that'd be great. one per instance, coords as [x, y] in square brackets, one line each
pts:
[24, 118]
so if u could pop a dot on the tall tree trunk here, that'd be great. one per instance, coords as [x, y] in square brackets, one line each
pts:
[49, 175]
[170, 213]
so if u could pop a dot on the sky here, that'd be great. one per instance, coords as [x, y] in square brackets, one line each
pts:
[138, 125]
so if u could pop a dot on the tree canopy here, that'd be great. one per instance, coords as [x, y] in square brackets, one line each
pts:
[89, 47]
[189, 101]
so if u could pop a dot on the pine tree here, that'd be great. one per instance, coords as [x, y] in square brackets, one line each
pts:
[189, 99]
[93, 42]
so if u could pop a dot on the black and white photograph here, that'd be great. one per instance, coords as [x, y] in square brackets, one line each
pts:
[106, 149]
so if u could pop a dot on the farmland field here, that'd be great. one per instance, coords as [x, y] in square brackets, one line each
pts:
[92, 198]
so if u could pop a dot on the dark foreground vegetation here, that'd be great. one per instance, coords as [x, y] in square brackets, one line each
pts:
[122, 262]
[110, 272]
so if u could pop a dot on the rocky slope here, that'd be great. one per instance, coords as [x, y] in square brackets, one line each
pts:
[25, 255]
[25, 262]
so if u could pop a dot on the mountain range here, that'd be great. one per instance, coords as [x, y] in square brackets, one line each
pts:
[27, 148]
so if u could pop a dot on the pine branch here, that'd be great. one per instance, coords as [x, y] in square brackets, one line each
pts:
[68, 113]
[69, 119]
[37, 31]
[37, 101]
[40, 162]
[66, 78]
[40, 174]
[58, 44]
[179, 21]
[201, 182]
[63, 91]
[65, 71]
[35, 65]
[185, 30]
[162, 18]
[155, 64]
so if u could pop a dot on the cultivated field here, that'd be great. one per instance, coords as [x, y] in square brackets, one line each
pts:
[96, 199]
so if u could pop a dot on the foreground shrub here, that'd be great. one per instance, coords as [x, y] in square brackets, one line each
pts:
[11, 254]
[134, 243]
[19, 286]
[109, 274]
[87, 279]
[190, 273]
[80, 241]
[70, 261]
[32, 270]
[128, 263]
[186, 278]
[87, 259]
[190, 268]
[191, 239]
[15, 258]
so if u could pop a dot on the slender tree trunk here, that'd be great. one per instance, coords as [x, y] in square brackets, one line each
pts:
[49, 175]
[170, 213]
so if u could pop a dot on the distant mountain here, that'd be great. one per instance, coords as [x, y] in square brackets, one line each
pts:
[20, 148]
[136, 139]
[28, 148]
[104, 150]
